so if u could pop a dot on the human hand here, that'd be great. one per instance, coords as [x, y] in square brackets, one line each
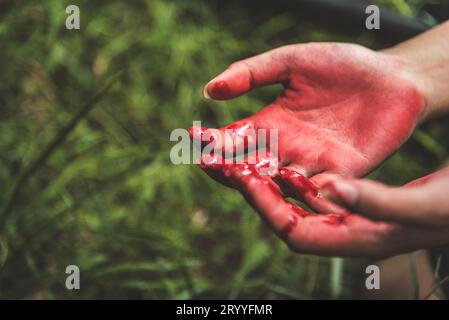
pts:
[344, 233]
[344, 108]
[422, 203]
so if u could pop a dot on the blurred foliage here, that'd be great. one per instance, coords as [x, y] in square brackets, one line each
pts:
[108, 199]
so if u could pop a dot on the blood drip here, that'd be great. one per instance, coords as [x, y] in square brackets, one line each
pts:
[238, 175]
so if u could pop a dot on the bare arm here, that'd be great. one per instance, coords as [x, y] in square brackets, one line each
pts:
[428, 58]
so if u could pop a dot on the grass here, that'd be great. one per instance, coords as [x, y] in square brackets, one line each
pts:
[104, 195]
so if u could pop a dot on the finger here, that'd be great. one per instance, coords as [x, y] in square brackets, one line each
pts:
[283, 216]
[214, 166]
[218, 168]
[265, 197]
[320, 203]
[299, 187]
[232, 140]
[296, 184]
[211, 162]
[242, 76]
[423, 205]
[331, 235]
[305, 232]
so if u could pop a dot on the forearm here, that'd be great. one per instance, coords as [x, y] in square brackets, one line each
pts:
[427, 56]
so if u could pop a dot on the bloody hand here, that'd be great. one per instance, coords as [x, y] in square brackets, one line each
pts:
[344, 108]
[341, 234]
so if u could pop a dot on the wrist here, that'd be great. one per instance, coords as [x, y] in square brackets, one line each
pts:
[425, 61]
[416, 73]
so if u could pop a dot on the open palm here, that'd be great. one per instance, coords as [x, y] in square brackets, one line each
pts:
[344, 109]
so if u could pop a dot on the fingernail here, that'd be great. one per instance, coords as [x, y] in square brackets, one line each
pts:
[218, 90]
[340, 191]
[205, 92]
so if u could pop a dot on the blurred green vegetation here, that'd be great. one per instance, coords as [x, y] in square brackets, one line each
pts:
[108, 199]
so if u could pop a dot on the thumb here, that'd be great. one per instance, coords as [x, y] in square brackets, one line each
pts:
[423, 204]
[242, 76]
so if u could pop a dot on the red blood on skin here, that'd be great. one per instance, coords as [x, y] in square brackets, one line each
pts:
[211, 161]
[297, 184]
[298, 210]
[244, 176]
[240, 127]
[336, 218]
[219, 90]
[344, 110]
[239, 136]
[196, 133]
[288, 228]
[240, 176]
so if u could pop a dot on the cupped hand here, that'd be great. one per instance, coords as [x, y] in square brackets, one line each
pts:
[399, 219]
[343, 110]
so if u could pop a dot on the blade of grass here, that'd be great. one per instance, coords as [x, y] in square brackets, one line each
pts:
[436, 287]
[286, 292]
[436, 273]
[414, 277]
[336, 277]
[427, 141]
